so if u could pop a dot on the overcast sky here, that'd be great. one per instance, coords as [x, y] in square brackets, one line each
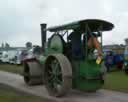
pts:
[20, 19]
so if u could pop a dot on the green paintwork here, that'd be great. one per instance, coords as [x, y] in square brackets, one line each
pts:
[92, 23]
[86, 75]
[56, 44]
[42, 59]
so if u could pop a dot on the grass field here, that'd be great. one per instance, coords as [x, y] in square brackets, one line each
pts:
[18, 69]
[116, 80]
[8, 94]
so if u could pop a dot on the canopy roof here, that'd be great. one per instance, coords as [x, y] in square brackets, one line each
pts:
[93, 24]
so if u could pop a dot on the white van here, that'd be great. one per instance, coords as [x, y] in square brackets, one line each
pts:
[12, 56]
[4, 57]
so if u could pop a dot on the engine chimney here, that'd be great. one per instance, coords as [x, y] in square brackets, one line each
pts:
[43, 35]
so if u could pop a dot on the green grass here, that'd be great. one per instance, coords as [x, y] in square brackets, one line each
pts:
[117, 81]
[18, 69]
[8, 94]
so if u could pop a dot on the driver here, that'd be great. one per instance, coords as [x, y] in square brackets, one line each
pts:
[94, 43]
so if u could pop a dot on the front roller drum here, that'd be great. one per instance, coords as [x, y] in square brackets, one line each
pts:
[32, 73]
[57, 75]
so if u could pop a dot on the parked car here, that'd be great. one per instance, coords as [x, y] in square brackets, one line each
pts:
[113, 60]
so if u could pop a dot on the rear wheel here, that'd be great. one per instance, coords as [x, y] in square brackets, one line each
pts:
[57, 75]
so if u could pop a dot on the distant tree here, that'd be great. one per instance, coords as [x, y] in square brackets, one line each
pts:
[126, 41]
[7, 45]
[2, 45]
[28, 45]
[121, 45]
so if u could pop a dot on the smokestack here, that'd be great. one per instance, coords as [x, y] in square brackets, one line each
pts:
[43, 35]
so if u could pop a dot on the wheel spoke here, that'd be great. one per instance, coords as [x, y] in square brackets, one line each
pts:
[50, 72]
[55, 67]
[59, 81]
[51, 77]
